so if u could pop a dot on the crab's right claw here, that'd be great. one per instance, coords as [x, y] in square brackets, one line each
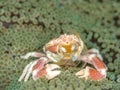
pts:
[52, 71]
[90, 73]
[49, 71]
[36, 68]
[39, 68]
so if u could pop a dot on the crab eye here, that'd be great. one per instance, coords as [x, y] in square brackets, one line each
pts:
[63, 49]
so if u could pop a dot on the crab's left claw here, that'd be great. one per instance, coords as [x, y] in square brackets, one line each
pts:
[94, 58]
[90, 73]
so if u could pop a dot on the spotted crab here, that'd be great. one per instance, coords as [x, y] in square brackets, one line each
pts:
[64, 51]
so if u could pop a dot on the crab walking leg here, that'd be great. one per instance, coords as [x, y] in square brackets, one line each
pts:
[29, 71]
[25, 71]
[32, 54]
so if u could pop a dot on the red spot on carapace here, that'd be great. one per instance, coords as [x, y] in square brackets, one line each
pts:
[52, 48]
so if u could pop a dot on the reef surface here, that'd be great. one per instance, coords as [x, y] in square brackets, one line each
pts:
[26, 25]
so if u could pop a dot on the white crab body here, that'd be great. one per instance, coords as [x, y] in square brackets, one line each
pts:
[60, 51]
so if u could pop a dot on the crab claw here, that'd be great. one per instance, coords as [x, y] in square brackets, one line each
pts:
[99, 65]
[49, 71]
[35, 67]
[94, 58]
[90, 73]
[39, 69]
[52, 71]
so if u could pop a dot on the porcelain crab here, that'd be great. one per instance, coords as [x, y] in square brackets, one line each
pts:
[63, 51]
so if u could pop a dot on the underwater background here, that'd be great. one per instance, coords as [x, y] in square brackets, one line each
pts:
[26, 25]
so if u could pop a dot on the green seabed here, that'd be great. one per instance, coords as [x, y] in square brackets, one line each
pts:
[27, 25]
